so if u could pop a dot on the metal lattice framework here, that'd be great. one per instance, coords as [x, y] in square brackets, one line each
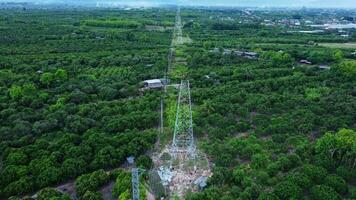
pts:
[155, 183]
[135, 179]
[183, 139]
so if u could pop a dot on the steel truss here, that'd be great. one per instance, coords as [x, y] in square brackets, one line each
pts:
[183, 139]
[135, 179]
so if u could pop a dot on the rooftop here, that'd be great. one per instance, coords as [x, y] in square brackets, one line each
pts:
[152, 81]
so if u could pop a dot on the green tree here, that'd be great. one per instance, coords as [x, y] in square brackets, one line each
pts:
[144, 161]
[259, 161]
[89, 195]
[21, 186]
[336, 182]
[29, 89]
[90, 182]
[315, 173]
[288, 190]
[339, 147]
[17, 158]
[61, 75]
[300, 179]
[15, 92]
[72, 167]
[47, 78]
[50, 193]
[268, 196]
[348, 68]
[323, 192]
[338, 55]
[122, 184]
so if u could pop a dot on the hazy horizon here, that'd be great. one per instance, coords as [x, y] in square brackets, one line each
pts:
[235, 3]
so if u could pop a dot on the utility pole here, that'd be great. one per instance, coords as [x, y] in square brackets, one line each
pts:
[161, 117]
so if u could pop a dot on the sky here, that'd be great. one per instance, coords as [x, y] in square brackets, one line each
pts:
[252, 3]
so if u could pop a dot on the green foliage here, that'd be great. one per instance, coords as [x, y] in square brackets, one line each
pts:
[288, 190]
[300, 179]
[89, 195]
[61, 75]
[144, 162]
[353, 193]
[49, 193]
[87, 184]
[70, 108]
[324, 192]
[259, 161]
[47, 78]
[123, 187]
[315, 173]
[268, 196]
[15, 92]
[17, 158]
[338, 147]
[122, 184]
[312, 94]
[338, 55]
[280, 59]
[113, 23]
[336, 182]
[348, 68]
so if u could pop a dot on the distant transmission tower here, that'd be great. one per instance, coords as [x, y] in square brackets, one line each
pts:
[183, 139]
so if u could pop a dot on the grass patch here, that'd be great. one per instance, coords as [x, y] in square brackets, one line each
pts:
[350, 45]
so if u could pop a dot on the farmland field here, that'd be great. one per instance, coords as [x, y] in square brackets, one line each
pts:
[339, 45]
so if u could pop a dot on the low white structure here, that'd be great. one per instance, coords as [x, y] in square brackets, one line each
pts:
[153, 84]
[305, 62]
[324, 67]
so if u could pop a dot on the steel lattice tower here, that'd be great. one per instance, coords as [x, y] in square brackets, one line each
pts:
[135, 184]
[183, 139]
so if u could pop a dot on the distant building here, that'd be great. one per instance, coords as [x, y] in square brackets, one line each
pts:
[306, 62]
[246, 54]
[238, 53]
[251, 54]
[153, 84]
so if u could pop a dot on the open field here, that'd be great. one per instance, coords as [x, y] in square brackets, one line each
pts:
[351, 45]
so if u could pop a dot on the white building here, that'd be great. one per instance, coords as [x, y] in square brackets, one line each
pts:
[152, 84]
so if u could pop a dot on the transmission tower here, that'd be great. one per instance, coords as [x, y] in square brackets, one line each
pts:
[183, 140]
[135, 179]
